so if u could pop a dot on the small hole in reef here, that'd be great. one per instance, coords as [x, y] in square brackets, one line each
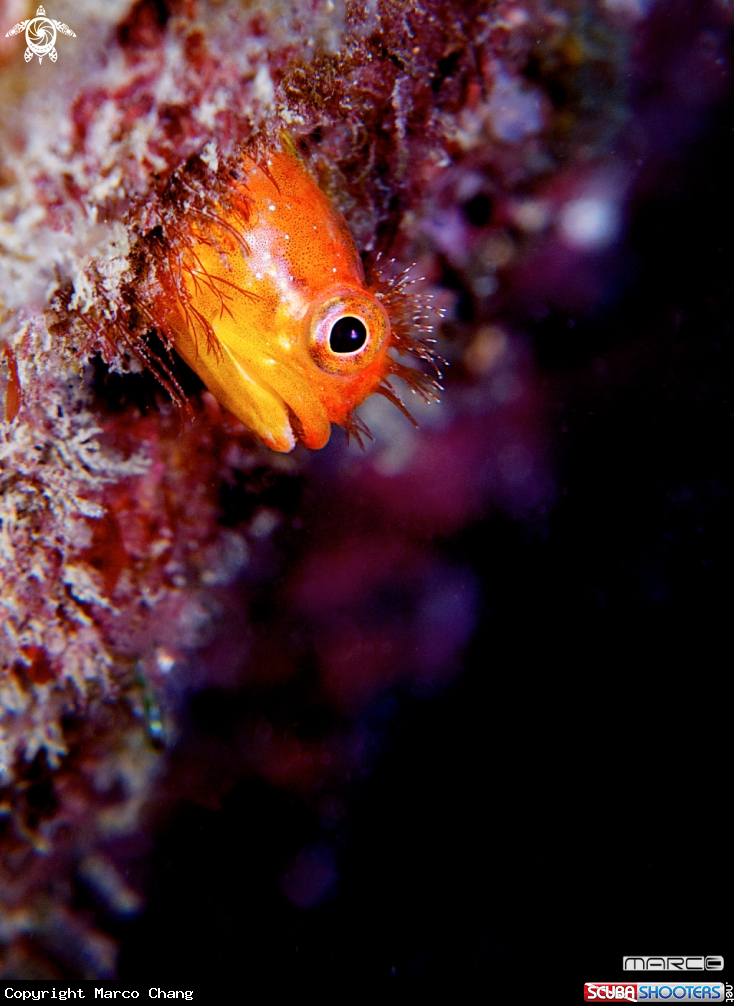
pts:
[445, 69]
[40, 797]
[142, 390]
[119, 392]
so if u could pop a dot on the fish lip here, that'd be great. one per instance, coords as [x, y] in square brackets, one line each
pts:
[301, 428]
[312, 434]
[286, 433]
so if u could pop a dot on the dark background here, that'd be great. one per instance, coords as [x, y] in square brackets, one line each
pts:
[565, 802]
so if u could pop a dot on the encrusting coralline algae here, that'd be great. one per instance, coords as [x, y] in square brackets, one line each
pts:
[472, 139]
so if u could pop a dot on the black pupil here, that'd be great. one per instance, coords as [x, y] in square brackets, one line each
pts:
[347, 335]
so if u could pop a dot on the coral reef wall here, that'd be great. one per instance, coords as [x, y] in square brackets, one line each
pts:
[149, 554]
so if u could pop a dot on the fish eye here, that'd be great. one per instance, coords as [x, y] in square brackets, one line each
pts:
[347, 335]
[347, 332]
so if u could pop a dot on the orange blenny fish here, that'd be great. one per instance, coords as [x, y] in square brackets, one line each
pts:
[265, 298]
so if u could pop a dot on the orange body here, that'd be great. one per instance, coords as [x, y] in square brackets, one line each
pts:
[272, 308]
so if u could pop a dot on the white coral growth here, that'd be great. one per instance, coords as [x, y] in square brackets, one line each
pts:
[52, 470]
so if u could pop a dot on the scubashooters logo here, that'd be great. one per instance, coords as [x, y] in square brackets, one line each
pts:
[677, 991]
[40, 35]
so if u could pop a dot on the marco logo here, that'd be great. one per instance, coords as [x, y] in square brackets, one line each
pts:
[40, 35]
[673, 963]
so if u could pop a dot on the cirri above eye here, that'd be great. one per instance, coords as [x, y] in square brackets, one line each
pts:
[348, 335]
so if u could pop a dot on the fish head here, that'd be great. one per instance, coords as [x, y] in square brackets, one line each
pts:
[275, 316]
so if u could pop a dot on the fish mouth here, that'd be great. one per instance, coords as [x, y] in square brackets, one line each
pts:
[295, 414]
[259, 407]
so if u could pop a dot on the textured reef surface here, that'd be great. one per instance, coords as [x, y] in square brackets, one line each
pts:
[183, 609]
